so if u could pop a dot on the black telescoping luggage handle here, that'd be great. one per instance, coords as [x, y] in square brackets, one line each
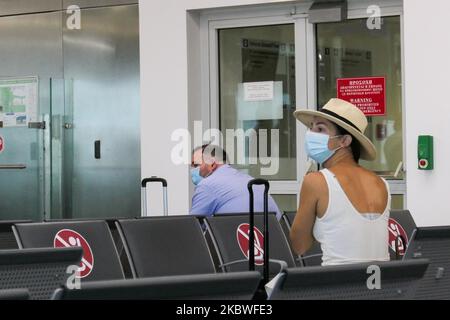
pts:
[251, 240]
[145, 181]
[154, 179]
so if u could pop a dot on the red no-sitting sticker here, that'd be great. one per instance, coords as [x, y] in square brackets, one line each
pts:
[397, 235]
[242, 235]
[68, 238]
[2, 144]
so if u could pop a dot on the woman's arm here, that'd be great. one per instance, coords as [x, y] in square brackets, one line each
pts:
[301, 234]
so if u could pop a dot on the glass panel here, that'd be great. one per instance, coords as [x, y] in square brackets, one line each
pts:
[257, 91]
[286, 202]
[99, 101]
[30, 47]
[101, 109]
[397, 202]
[58, 143]
[21, 153]
[349, 49]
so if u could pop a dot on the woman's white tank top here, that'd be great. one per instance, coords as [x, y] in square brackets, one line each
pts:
[347, 236]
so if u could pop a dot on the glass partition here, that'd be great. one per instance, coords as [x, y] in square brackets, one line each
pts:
[257, 96]
[350, 49]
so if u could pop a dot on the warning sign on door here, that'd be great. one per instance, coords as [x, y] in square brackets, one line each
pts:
[398, 239]
[368, 94]
[2, 144]
[68, 238]
[242, 235]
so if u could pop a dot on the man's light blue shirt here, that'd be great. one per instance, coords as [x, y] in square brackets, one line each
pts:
[225, 191]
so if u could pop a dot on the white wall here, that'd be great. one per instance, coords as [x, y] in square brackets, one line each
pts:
[427, 88]
[164, 72]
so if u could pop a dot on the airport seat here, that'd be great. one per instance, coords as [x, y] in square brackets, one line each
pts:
[313, 257]
[401, 227]
[7, 239]
[398, 280]
[14, 294]
[165, 246]
[40, 271]
[228, 237]
[432, 243]
[117, 241]
[100, 258]
[220, 286]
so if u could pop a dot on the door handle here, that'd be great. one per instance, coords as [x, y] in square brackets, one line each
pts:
[37, 125]
[12, 166]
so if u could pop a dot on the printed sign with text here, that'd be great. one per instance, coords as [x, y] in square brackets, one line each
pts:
[368, 94]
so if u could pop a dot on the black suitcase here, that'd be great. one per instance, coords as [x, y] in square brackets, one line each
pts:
[261, 292]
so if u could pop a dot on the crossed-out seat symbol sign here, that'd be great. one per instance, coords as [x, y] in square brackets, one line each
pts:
[398, 239]
[67, 238]
[242, 235]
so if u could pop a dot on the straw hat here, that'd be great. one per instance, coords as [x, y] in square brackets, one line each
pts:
[346, 116]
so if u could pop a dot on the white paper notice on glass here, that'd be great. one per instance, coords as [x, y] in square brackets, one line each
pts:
[258, 91]
[19, 101]
[260, 100]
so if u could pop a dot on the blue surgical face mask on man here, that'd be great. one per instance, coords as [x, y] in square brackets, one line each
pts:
[195, 175]
[316, 145]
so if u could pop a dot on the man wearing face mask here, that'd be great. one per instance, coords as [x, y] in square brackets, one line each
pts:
[219, 187]
[345, 207]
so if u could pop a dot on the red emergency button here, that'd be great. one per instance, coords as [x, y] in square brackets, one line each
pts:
[423, 163]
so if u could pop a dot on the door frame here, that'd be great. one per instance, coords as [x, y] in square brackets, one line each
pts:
[305, 56]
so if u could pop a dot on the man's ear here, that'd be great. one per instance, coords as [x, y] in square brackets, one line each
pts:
[214, 165]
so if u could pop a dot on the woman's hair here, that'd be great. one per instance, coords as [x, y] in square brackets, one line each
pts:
[355, 146]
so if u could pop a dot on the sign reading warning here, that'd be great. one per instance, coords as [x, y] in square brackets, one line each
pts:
[368, 94]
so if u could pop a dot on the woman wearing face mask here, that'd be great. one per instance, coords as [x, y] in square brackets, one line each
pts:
[345, 207]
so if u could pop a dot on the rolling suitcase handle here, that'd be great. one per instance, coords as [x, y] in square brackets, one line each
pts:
[144, 194]
[251, 246]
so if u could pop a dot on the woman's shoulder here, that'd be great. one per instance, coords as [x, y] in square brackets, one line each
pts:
[370, 179]
[369, 174]
[355, 174]
[314, 176]
[314, 180]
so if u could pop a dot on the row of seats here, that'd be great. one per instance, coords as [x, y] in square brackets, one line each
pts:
[400, 219]
[170, 247]
[165, 246]
[42, 274]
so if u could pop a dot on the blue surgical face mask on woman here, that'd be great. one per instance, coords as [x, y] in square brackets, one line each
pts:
[316, 145]
[195, 175]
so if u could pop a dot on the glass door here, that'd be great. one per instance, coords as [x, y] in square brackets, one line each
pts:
[257, 98]
[30, 54]
[264, 65]
[258, 77]
[23, 135]
[70, 148]
[350, 51]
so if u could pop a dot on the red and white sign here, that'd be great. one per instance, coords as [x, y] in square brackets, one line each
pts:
[395, 230]
[368, 94]
[242, 235]
[68, 238]
[2, 144]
